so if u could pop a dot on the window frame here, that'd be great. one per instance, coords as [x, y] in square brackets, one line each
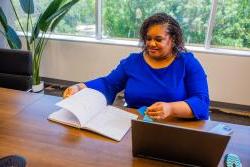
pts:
[211, 24]
[98, 39]
[207, 43]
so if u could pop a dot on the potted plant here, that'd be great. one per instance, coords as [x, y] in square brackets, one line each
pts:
[35, 33]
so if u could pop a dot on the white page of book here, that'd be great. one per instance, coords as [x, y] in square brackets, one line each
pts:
[65, 117]
[115, 110]
[85, 104]
[113, 123]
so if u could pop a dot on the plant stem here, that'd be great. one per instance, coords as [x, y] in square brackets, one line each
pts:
[25, 35]
[27, 22]
[37, 58]
[33, 44]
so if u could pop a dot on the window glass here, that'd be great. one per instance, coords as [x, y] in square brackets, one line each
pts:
[80, 20]
[122, 18]
[232, 26]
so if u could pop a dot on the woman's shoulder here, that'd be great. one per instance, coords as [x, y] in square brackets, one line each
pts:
[133, 57]
[188, 57]
[191, 63]
[131, 61]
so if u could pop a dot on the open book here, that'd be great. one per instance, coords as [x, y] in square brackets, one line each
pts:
[87, 109]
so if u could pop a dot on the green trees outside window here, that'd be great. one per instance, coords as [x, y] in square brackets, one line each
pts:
[121, 19]
[232, 24]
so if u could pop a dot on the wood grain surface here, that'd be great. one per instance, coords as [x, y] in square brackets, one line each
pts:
[25, 130]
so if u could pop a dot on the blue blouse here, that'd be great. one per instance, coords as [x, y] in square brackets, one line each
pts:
[183, 80]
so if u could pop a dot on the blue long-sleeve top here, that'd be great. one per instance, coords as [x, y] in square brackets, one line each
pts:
[183, 80]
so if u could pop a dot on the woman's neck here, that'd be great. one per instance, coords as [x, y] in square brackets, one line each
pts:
[159, 63]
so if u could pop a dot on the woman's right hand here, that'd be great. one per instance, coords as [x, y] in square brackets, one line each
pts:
[73, 89]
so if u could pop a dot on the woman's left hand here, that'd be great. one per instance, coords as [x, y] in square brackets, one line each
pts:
[159, 110]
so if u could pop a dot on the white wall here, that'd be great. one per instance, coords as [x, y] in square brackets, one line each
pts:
[228, 76]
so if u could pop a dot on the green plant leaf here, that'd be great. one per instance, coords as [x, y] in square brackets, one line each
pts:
[61, 10]
[3, 19]
[51, 9]
[27, 6]
[57, 17]
[54, 13]
[35, 32]
[13, 39]
[57, 20]
[46, 22]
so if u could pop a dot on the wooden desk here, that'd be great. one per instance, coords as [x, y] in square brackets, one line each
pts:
[27, 132]
[12, 102]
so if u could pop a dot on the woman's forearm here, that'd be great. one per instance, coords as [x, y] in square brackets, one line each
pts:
[181, 109]
[162, 110]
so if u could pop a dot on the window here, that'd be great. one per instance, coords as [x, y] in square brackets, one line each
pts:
[232, 24]
[122, 18]
[80, 20]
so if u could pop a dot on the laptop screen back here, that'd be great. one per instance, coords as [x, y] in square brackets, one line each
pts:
[177, 144]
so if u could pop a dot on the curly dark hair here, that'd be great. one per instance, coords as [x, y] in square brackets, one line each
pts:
[173, 29]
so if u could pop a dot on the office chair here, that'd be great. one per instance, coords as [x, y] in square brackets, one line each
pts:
[15, 69]
[12, 161]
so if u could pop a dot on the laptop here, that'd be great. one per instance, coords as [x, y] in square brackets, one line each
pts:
[176, 144]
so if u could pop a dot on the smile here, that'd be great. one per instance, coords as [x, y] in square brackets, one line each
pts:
[153, 50]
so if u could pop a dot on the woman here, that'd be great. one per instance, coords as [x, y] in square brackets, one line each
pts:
[164, 76]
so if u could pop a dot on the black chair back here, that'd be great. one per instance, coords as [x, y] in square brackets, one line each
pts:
[12, 161]
[15, 69]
